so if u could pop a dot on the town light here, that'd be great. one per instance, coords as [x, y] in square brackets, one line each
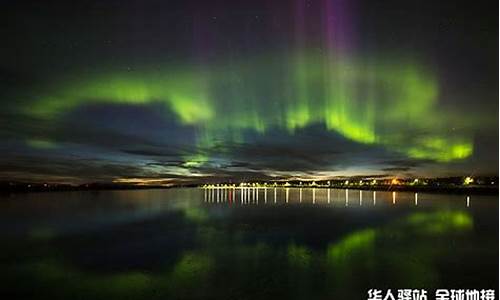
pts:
[468, 180]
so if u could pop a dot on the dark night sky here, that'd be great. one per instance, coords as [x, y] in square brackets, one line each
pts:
[163, 91]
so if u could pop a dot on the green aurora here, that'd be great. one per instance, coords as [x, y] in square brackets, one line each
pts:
[387, 102]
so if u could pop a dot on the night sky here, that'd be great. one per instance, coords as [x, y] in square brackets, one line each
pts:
[184, 91]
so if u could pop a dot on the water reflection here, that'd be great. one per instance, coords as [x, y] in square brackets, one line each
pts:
[220, 243]
[321, 196]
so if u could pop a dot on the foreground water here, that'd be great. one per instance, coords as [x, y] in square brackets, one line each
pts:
[243, 243]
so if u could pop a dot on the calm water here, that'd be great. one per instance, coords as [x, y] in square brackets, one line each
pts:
[243, 244]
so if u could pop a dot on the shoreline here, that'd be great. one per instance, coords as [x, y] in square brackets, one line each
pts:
[461, 190]
[473, 190]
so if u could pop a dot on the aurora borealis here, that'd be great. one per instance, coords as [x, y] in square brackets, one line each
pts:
[189, 90]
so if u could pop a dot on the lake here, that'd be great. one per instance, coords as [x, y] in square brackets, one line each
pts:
[274, 243]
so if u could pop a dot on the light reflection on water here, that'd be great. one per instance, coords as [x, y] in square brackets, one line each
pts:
[321, 196]
[255, 243]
